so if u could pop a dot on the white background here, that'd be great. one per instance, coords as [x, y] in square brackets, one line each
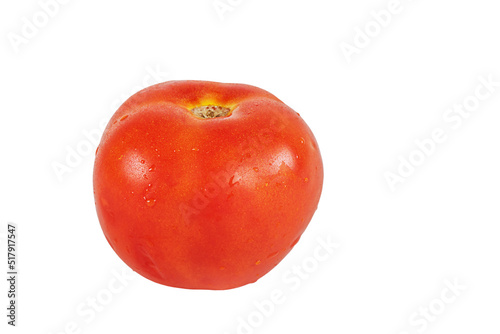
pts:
[398, 249]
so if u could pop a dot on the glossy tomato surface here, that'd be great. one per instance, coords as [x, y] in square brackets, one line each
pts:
[195, 201]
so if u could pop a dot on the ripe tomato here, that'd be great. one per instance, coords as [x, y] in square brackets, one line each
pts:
[205, 185]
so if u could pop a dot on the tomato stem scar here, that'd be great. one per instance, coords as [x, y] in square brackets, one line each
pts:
[210, 111]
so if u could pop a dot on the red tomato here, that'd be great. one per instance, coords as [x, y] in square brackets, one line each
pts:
[205, 185]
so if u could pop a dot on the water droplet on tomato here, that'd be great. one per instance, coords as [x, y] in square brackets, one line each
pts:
[152, 168]
[302, 140]
[256, 169]
[272, 255]
[143, 161]
[231, 184]
[150, 202]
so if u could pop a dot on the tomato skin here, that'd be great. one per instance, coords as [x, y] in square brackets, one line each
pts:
[205, 203]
